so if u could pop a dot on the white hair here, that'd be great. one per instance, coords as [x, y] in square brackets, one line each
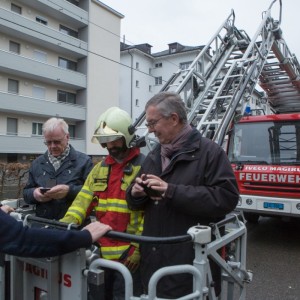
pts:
[54, 123]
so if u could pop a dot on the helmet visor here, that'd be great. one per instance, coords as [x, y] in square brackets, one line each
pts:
[107, 139]
[105, 134]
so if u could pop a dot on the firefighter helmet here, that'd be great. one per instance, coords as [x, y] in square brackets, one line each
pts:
[112, 125]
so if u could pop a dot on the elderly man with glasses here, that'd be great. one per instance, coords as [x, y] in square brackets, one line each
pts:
[56, 177]
[186, 180]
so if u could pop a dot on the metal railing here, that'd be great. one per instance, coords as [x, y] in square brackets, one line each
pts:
[233, 264]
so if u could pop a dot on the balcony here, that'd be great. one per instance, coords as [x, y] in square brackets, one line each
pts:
[17, 26]
[60, 10]
[21, 66]
[31, 144]
[17, 104]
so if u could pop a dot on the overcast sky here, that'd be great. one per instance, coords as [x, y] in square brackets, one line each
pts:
[194, 22]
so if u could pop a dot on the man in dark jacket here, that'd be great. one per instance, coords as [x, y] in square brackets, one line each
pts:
[196, 185]
[56, 177]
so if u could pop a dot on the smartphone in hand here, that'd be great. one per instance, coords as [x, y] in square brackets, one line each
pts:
[149, 191]
[44, 190]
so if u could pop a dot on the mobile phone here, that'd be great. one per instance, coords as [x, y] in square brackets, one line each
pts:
[44, 190]
[151, 192]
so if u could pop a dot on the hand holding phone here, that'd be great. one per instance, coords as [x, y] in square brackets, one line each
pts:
[149, 191]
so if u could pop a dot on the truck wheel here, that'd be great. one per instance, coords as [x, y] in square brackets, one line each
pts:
[251, 217]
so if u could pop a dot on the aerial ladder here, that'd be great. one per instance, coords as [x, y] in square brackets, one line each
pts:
[215, 92]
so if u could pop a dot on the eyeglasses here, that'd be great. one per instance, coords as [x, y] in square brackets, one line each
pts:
[55, 142]
[152, 124]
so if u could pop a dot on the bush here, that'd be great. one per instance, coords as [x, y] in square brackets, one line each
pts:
[13, 177]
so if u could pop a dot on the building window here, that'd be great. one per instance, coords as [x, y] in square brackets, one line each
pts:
[137, 65]
[41, 20]
[68, 31]
[137, 83]
[158, 80]
[158, 65]
[14, 47]
[67, 64]
[67, 97]
[12, 126]
[185, 65]
[150, 71]
[37, 128]
[40, 55]
[15, 8]
[13, 86]
[150, 88]
[72, 131]
[38, 92]
[199, 67]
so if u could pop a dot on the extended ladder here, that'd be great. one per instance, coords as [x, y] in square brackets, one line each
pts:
[216, 91]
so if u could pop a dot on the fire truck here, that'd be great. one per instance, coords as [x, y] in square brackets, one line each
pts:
[265, 155]
[219, 97]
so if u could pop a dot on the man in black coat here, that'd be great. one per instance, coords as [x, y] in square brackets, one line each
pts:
[196, 185]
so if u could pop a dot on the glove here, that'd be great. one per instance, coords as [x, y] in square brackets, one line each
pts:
[132, 260]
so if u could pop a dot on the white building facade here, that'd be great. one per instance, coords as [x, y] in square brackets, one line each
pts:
[58, 58]
[143, 74]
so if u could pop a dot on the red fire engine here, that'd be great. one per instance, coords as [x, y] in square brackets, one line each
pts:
[265, 155]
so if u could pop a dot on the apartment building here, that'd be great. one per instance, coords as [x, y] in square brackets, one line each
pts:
[143, 74]
[57, 58]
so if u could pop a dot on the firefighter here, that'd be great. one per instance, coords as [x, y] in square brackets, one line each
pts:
[104, 193]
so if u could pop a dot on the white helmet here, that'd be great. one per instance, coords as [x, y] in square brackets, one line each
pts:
[112, 125]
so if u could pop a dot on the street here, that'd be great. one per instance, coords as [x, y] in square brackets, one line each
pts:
[273, 254]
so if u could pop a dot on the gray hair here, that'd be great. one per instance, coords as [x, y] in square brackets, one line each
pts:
[54, 123]
[168, 103]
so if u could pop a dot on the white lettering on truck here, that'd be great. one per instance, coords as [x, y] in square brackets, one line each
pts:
[268, 168]
[269, 177]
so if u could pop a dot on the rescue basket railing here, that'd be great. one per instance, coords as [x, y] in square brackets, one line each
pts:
[80, 269]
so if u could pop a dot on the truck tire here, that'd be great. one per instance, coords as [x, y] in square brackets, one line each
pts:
[251, 217]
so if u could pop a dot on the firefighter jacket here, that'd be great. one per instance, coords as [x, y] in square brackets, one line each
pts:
[104, 192]
[201, 189]
[72, 172]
